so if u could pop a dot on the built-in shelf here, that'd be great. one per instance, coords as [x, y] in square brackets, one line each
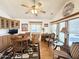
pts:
[9, 23]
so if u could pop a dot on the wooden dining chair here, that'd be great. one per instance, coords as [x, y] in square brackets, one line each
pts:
[17, 46]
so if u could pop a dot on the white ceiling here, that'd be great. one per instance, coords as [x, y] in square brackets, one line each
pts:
[14, 9]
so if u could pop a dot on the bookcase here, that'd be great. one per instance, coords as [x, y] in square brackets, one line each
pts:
[6, 23]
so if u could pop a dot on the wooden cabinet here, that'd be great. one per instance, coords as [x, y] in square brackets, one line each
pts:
[8, 23]
[1, 43]
[2, 23]
[12, 24]
[5, 41]
[17, 24]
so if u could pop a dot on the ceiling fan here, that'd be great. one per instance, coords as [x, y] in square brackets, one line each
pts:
[35, 8]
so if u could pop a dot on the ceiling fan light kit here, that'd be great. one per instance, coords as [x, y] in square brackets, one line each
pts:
[34, 9]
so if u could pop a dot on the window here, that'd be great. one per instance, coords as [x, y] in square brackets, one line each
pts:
[36, 27]
[73, 31]
[61, 34]
[54, 28]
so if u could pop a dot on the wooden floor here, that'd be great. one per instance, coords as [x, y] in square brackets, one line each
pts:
[45, 52]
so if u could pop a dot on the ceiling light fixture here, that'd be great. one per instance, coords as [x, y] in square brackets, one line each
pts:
[35, 8]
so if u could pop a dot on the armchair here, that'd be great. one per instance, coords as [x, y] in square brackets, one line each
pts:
[74, 52]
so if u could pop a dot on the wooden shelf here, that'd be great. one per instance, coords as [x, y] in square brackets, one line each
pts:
[8, 23]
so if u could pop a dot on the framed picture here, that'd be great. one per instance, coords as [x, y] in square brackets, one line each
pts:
[46, 25]
[24, 27]
[68, 9]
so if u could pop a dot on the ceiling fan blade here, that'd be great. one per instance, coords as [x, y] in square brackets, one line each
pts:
[26, 12]
[43, 11]
[39, 4]
[36, 14]
[24, 5]
[51, 13]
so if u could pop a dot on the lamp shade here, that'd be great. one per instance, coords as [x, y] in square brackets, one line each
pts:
[64, 30]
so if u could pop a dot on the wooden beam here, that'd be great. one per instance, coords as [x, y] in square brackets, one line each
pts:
[35, 21]
[77, 13]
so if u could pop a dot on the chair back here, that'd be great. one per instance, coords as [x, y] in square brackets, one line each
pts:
[53, 35]
[35, 37]
[75, 50]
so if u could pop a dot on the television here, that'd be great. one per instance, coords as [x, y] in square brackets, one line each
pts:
[13, 31]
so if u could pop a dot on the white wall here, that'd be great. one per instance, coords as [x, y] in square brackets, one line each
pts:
[47, 29]
[3, 31]
[76, 9]
[76, 3]
[3, 14]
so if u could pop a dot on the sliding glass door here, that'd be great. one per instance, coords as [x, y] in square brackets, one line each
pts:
[73, 31]
[61, 34]
[72, 34]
